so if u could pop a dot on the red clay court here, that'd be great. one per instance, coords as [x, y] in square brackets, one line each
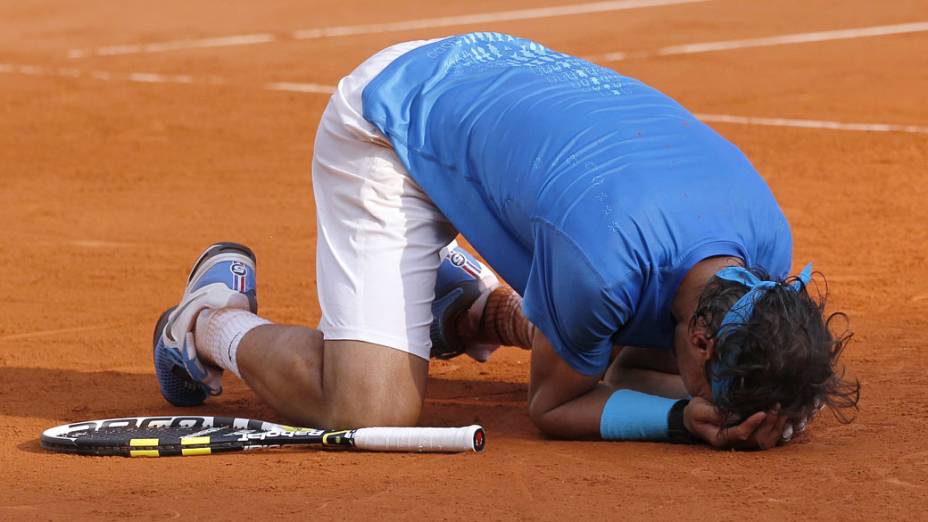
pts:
[132, 134]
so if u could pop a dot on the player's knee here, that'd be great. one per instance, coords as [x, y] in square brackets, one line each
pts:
[387, 409]
[372, 385]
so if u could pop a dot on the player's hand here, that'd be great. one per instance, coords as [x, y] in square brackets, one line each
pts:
[769, 433]
[759, 431]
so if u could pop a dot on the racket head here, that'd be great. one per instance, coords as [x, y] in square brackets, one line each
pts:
[153, 436]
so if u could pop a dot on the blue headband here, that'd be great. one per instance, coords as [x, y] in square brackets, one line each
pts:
[740, 313]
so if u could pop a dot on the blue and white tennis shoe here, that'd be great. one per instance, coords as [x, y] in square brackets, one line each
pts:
[463, 286]
[222, 277]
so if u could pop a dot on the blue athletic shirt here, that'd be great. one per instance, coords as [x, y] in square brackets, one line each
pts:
[589, 192]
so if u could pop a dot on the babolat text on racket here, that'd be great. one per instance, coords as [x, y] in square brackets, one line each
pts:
[196, 435]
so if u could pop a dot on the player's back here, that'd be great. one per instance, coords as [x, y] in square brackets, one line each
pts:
[489, 120]
[516, 143]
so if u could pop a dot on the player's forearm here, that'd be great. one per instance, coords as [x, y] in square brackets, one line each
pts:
[565, 403]
[611, 414]
[578, 418]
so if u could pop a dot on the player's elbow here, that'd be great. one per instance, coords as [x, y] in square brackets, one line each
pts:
[539, 420]
[564, 420]
[547, 425]
[545, 419]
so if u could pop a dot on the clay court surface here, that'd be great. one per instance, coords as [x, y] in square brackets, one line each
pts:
[118, 164]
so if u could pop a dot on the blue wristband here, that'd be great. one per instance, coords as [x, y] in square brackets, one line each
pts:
[631, 415]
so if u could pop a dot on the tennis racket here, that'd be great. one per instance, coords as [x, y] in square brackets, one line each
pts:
[195, 435]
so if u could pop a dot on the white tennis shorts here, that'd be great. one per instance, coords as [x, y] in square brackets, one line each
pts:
[379, 236]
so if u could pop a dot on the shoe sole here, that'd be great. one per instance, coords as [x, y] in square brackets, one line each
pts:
[443, 347]
[159, 326]
[193, 393]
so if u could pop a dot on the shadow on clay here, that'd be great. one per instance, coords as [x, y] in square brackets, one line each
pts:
[61, 396]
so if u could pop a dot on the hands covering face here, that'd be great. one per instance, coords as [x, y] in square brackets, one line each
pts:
[763, 430]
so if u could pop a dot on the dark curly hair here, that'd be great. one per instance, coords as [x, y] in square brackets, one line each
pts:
[786, 353]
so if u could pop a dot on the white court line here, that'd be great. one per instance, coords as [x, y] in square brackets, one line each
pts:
[481, 18]
[136, 77]
[785, 39]
[153, 78]
[31, 70]
[813, 124]
[105, 76]
[407, 25]
[224, 41]
[47, 333]
[146, 78]
[315, 88]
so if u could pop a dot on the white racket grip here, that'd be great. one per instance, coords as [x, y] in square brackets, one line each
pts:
[423, 440]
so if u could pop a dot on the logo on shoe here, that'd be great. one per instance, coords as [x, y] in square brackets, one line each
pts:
[471, 266]
[238, 268]
[239, 281]
[457, 259]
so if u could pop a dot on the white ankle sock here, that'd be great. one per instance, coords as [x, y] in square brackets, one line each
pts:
[219, 332]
